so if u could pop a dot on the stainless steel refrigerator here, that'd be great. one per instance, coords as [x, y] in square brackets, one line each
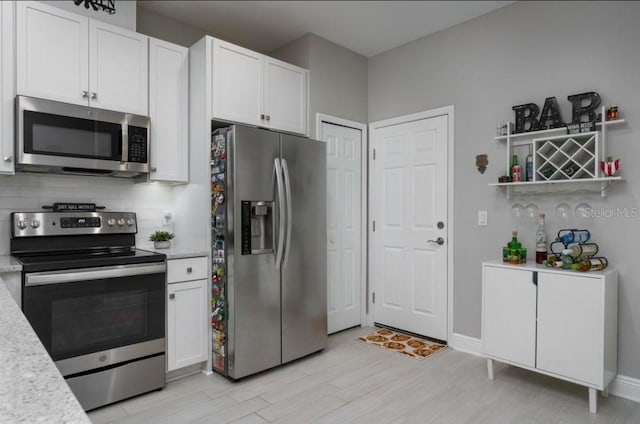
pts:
[269, 283]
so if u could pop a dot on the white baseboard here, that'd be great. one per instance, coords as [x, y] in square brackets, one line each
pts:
[625, 387]
[466, 344]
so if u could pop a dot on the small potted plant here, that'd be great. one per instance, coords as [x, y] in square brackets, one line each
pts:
[161, 239]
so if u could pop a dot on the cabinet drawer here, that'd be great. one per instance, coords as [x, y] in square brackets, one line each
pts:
[186, 269]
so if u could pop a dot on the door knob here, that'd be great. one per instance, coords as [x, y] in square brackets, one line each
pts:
[439, 241]
[8, 158]
[267, 117]
[172, 296]
[262, 116]
[94, 95]
[85, 94]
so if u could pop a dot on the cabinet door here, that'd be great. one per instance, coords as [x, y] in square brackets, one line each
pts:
[6, 88]
[237, 86]
[118, 69]
[509, 315]
[570, 326]
[285, 96]
[169, 111]
[52, 53]
[187, 327]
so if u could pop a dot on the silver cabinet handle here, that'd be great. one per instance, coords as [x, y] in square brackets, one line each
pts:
[172, 296]
[8, 158]
[287, 187]
[278, 170]
[189, 270]
[262, 116]
[439, 241]
[85, 94]
[88, 274]
[268, 117]
[94, 95]
[154, 169]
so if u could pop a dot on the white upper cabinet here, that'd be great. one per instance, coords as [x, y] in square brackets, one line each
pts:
[118, 66]
[285, 96]
[70, 58]
[237, 83]
[52, 53]
[169, 111]
[6, 88]
[254, 89]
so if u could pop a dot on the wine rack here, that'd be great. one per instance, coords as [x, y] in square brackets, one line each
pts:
[566, 157]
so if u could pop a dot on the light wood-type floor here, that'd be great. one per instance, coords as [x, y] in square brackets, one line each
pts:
[352, 382]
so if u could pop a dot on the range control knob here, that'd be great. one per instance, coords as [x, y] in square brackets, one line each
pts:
[120, 222]
[111, 222]
[130, 222]
[22, 224]
[35, 223]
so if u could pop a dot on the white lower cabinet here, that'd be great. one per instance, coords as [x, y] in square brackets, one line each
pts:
[559, 323]
[187, 327]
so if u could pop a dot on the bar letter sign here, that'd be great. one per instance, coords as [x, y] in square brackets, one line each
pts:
[108, 6]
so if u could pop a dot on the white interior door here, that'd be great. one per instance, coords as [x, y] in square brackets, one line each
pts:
[344, 249]
[409, 207]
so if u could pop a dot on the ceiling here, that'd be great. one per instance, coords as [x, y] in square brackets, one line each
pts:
[366, 27]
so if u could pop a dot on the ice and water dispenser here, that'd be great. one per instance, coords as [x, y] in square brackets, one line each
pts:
[257, 227]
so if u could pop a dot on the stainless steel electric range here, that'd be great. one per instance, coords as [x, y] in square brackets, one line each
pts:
[95, 301]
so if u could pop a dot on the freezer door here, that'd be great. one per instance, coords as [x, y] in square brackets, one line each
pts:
[304, 269]
[253, 283]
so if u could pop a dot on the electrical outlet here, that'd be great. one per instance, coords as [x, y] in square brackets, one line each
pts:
[483, 218]
[168, 217]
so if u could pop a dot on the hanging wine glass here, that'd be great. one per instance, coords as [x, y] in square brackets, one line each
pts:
[563, 211]
[583, 209]
[531, 212]
[517, 211]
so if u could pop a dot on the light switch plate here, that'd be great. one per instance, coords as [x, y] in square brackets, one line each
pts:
[483, 218]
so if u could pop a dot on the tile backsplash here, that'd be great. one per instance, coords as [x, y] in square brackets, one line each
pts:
[29, 192]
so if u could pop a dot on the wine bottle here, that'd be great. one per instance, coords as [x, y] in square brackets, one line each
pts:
[541, 241]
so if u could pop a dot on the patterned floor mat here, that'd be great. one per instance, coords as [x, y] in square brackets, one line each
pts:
[414, 347]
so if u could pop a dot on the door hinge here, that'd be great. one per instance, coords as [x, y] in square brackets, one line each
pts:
[374, 154]
[374, 297]
[374, 225]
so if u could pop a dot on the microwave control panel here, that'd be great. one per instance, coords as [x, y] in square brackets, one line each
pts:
[138, 144]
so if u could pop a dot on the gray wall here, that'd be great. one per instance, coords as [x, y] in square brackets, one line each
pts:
[168, 29]
[523, 53]
[125, 15]
[337, 78]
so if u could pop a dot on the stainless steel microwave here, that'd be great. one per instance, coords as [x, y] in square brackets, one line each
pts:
[64, 138]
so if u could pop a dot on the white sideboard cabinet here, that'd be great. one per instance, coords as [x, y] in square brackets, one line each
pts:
[255, 89]
[67, 57]
[187, 312]
[556, 322]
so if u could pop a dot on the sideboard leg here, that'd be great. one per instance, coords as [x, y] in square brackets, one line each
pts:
[605, 392]
[490, 364]
[593, 400]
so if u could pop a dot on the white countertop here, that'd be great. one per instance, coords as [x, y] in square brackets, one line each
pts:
[9, 264]
[177, 252]
[533, 266]
[31, 389]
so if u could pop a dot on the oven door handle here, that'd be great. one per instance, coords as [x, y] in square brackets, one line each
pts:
[88, 274]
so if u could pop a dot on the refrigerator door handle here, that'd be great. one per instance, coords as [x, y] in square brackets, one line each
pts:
[287, 185]
[281, 200]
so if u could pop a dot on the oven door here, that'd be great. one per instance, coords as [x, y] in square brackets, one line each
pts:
[96, 317]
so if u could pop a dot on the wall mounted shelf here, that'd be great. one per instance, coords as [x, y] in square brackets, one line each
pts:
[561, 162]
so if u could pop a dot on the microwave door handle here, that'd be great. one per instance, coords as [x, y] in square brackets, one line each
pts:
[280, 188]
[287, 185]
